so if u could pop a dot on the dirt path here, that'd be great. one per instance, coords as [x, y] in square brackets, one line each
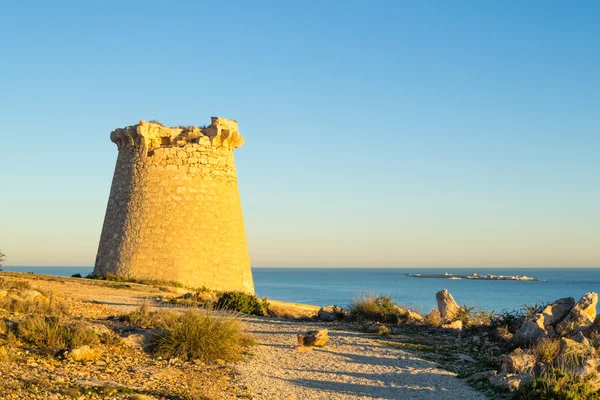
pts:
[351, 366]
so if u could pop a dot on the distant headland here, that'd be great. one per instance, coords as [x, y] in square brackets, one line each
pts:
[474, 276]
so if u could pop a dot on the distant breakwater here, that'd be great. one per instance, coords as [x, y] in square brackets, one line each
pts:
[488, 277]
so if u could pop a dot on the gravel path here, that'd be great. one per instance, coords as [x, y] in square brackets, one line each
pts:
[351, 366]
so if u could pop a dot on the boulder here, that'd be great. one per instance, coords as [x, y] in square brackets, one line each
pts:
[331, 313]
[406, 315]
[447, 306]
[531, 331]
[85, 353]
[511, 382]
[557, 311]
[313, 338]
[580, 338]
[581, 315]
[517, 362]
[573, 352]
[456, 325]
[593, 330]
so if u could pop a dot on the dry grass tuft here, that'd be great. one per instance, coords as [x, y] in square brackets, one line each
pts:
[53, 334]
[546, 350]
[206, 336]
[370, 307]
[433, 319]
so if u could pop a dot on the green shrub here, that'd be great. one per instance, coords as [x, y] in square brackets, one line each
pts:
[556, 385]
[76, 276]
[54, 334]
[242, 302]
[206, 336]
[370, 307]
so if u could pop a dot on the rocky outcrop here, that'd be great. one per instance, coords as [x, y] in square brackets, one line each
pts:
[581, 315]
[447, 306]
[517, 362]
[531, 331]
[511, 382]
[313, 338]
[282, 309]
[331, 313]
[557, 311]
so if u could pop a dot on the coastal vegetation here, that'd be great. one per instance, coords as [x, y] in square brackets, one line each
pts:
[242, 302]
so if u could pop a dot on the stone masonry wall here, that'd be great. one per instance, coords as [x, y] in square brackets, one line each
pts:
[174, 211]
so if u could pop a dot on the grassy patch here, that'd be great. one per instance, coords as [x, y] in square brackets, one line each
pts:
[556, 385]
[414, 346]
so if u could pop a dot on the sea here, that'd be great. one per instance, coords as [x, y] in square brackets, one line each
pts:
[338, 286]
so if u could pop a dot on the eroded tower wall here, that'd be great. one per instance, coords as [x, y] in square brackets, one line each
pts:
[174, 211]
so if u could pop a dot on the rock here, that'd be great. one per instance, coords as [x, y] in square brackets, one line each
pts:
[447, 306]
[85, 353]
[407, 315]
[331, 313]
[593, 330]
[137, 340]
[464, 357]
[480, 376]
[580, 338]
[313, 338]
[510, 382]
[571, 350]
[531, 331]
[517, 362]
[557, 311]
[456, 325]
[581, 315]
[591, 366]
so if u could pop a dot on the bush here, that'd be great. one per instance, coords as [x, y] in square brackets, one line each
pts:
[243, 303]
[369, 307]
[53, 334]
[76, 276]
[204, 336]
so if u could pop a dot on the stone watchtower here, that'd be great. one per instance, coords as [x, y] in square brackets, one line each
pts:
[174, 210]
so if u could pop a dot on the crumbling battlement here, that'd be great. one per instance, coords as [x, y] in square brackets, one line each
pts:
[220, 133]
[174, 210]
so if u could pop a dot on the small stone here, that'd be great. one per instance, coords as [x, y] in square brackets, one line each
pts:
[313, 338]
[85, 353]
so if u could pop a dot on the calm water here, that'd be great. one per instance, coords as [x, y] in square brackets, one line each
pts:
[325, 286]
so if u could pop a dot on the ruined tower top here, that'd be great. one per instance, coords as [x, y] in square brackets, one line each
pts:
[221, 132]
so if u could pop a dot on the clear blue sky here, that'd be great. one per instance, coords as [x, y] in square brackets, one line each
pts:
[463, 133]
